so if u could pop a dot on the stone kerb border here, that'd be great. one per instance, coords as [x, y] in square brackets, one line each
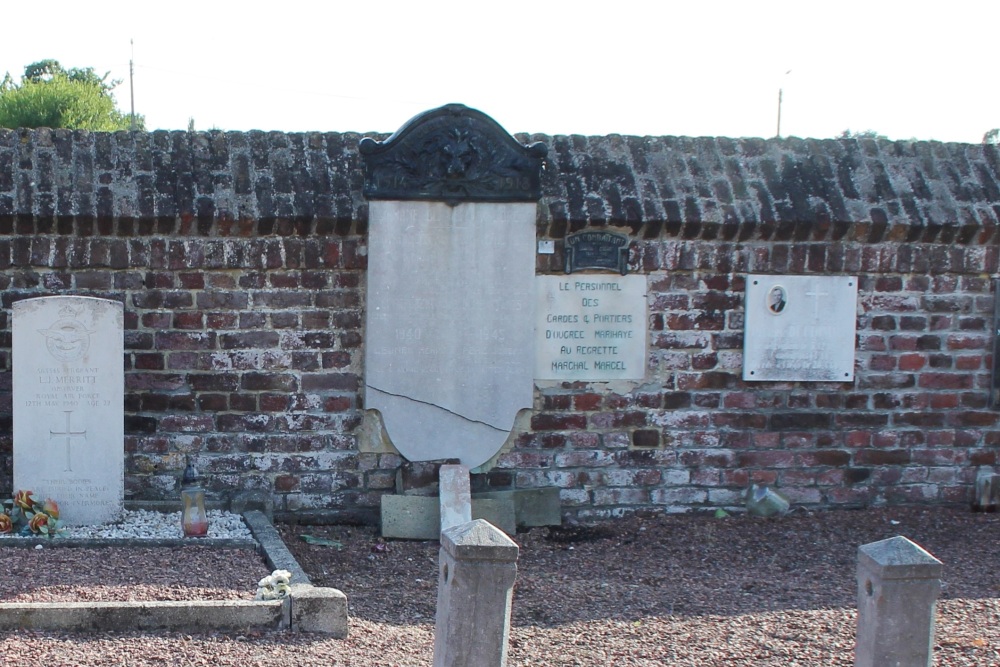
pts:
[308, 609]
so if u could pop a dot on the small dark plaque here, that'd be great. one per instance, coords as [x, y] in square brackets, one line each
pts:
[597, 250]
[453, 154]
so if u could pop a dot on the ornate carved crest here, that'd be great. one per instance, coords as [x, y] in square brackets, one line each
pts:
[453, 154]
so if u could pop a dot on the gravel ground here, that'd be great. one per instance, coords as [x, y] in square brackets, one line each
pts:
[672, 590]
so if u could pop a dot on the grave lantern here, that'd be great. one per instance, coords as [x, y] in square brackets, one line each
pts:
[194, 520]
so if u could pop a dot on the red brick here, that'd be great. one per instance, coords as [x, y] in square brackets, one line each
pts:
[944, 401]
[912, 362]
[149, 362]
[973, 419]
[285, 483]
[765, 459]
[928, 380]
[880, 457]
[337, 404]
[557, 422]
[330, 381]
[273, 402]
[968, 342]
[736, 400]
[883, 362]
[267, 340]
[557, 401]
[186, 320]
[968, 363]
[586, 402]
[825, 457]
[156, 320]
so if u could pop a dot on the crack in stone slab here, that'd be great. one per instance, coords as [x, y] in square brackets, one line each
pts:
[435, 405]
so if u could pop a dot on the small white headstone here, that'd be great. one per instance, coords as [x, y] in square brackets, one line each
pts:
[800, 328]
[590, 327]
[448, 353]
[68, 387]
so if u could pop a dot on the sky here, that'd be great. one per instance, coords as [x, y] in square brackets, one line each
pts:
[902, 69]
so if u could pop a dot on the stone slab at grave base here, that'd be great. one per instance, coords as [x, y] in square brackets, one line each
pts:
[419, 517]
[308, 609]
[532, 507]
[188, 616]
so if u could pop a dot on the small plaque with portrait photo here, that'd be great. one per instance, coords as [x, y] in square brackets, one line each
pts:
[800, 328]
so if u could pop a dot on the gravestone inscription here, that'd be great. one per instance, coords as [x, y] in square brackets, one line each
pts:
[590, 327]
[800, 328]
[68, 388]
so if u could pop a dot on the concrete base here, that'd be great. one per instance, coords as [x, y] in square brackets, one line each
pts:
[419, 517]
[532, 507]
[318, 609]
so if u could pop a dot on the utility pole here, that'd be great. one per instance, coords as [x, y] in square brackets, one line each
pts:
[781, 91]
[131, 87]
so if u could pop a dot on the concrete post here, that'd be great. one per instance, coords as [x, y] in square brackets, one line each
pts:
[455, 496]
[478, 564]
[898, 586]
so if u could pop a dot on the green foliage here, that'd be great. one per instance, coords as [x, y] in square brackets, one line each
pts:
[864, 134]
[51, 96]
[992, 136]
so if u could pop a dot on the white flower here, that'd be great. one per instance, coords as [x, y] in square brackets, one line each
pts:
[274, 586]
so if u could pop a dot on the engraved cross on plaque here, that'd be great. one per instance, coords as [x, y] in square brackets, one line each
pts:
[69, 433]
[816, 295]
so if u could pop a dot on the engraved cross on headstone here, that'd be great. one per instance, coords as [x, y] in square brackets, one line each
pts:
[815, 296]
[69, 433]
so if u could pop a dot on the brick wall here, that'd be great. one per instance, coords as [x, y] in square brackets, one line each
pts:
[240, 259]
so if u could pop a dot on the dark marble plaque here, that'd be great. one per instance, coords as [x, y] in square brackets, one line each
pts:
[597, 250]
[452, 154]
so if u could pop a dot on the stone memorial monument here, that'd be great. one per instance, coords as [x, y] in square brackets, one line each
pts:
[68, 388]
[451, 268]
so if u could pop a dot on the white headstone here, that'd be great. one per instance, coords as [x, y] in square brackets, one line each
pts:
[68, 387]
[450, 315]
[800, 328]
[591, 327]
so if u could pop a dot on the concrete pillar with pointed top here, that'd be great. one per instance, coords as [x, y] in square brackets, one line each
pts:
[898, 586]
[478, 565]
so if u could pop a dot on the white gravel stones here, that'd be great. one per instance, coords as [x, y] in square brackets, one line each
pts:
[146, 525]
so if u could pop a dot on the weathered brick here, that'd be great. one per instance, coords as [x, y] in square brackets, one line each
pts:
[557, 422]
[880, 457]
[329, 381]
[269, 382]
[249, 339]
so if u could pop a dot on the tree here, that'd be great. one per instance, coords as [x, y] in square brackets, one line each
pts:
[992, 136]
[51, 96]
[864, 134]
